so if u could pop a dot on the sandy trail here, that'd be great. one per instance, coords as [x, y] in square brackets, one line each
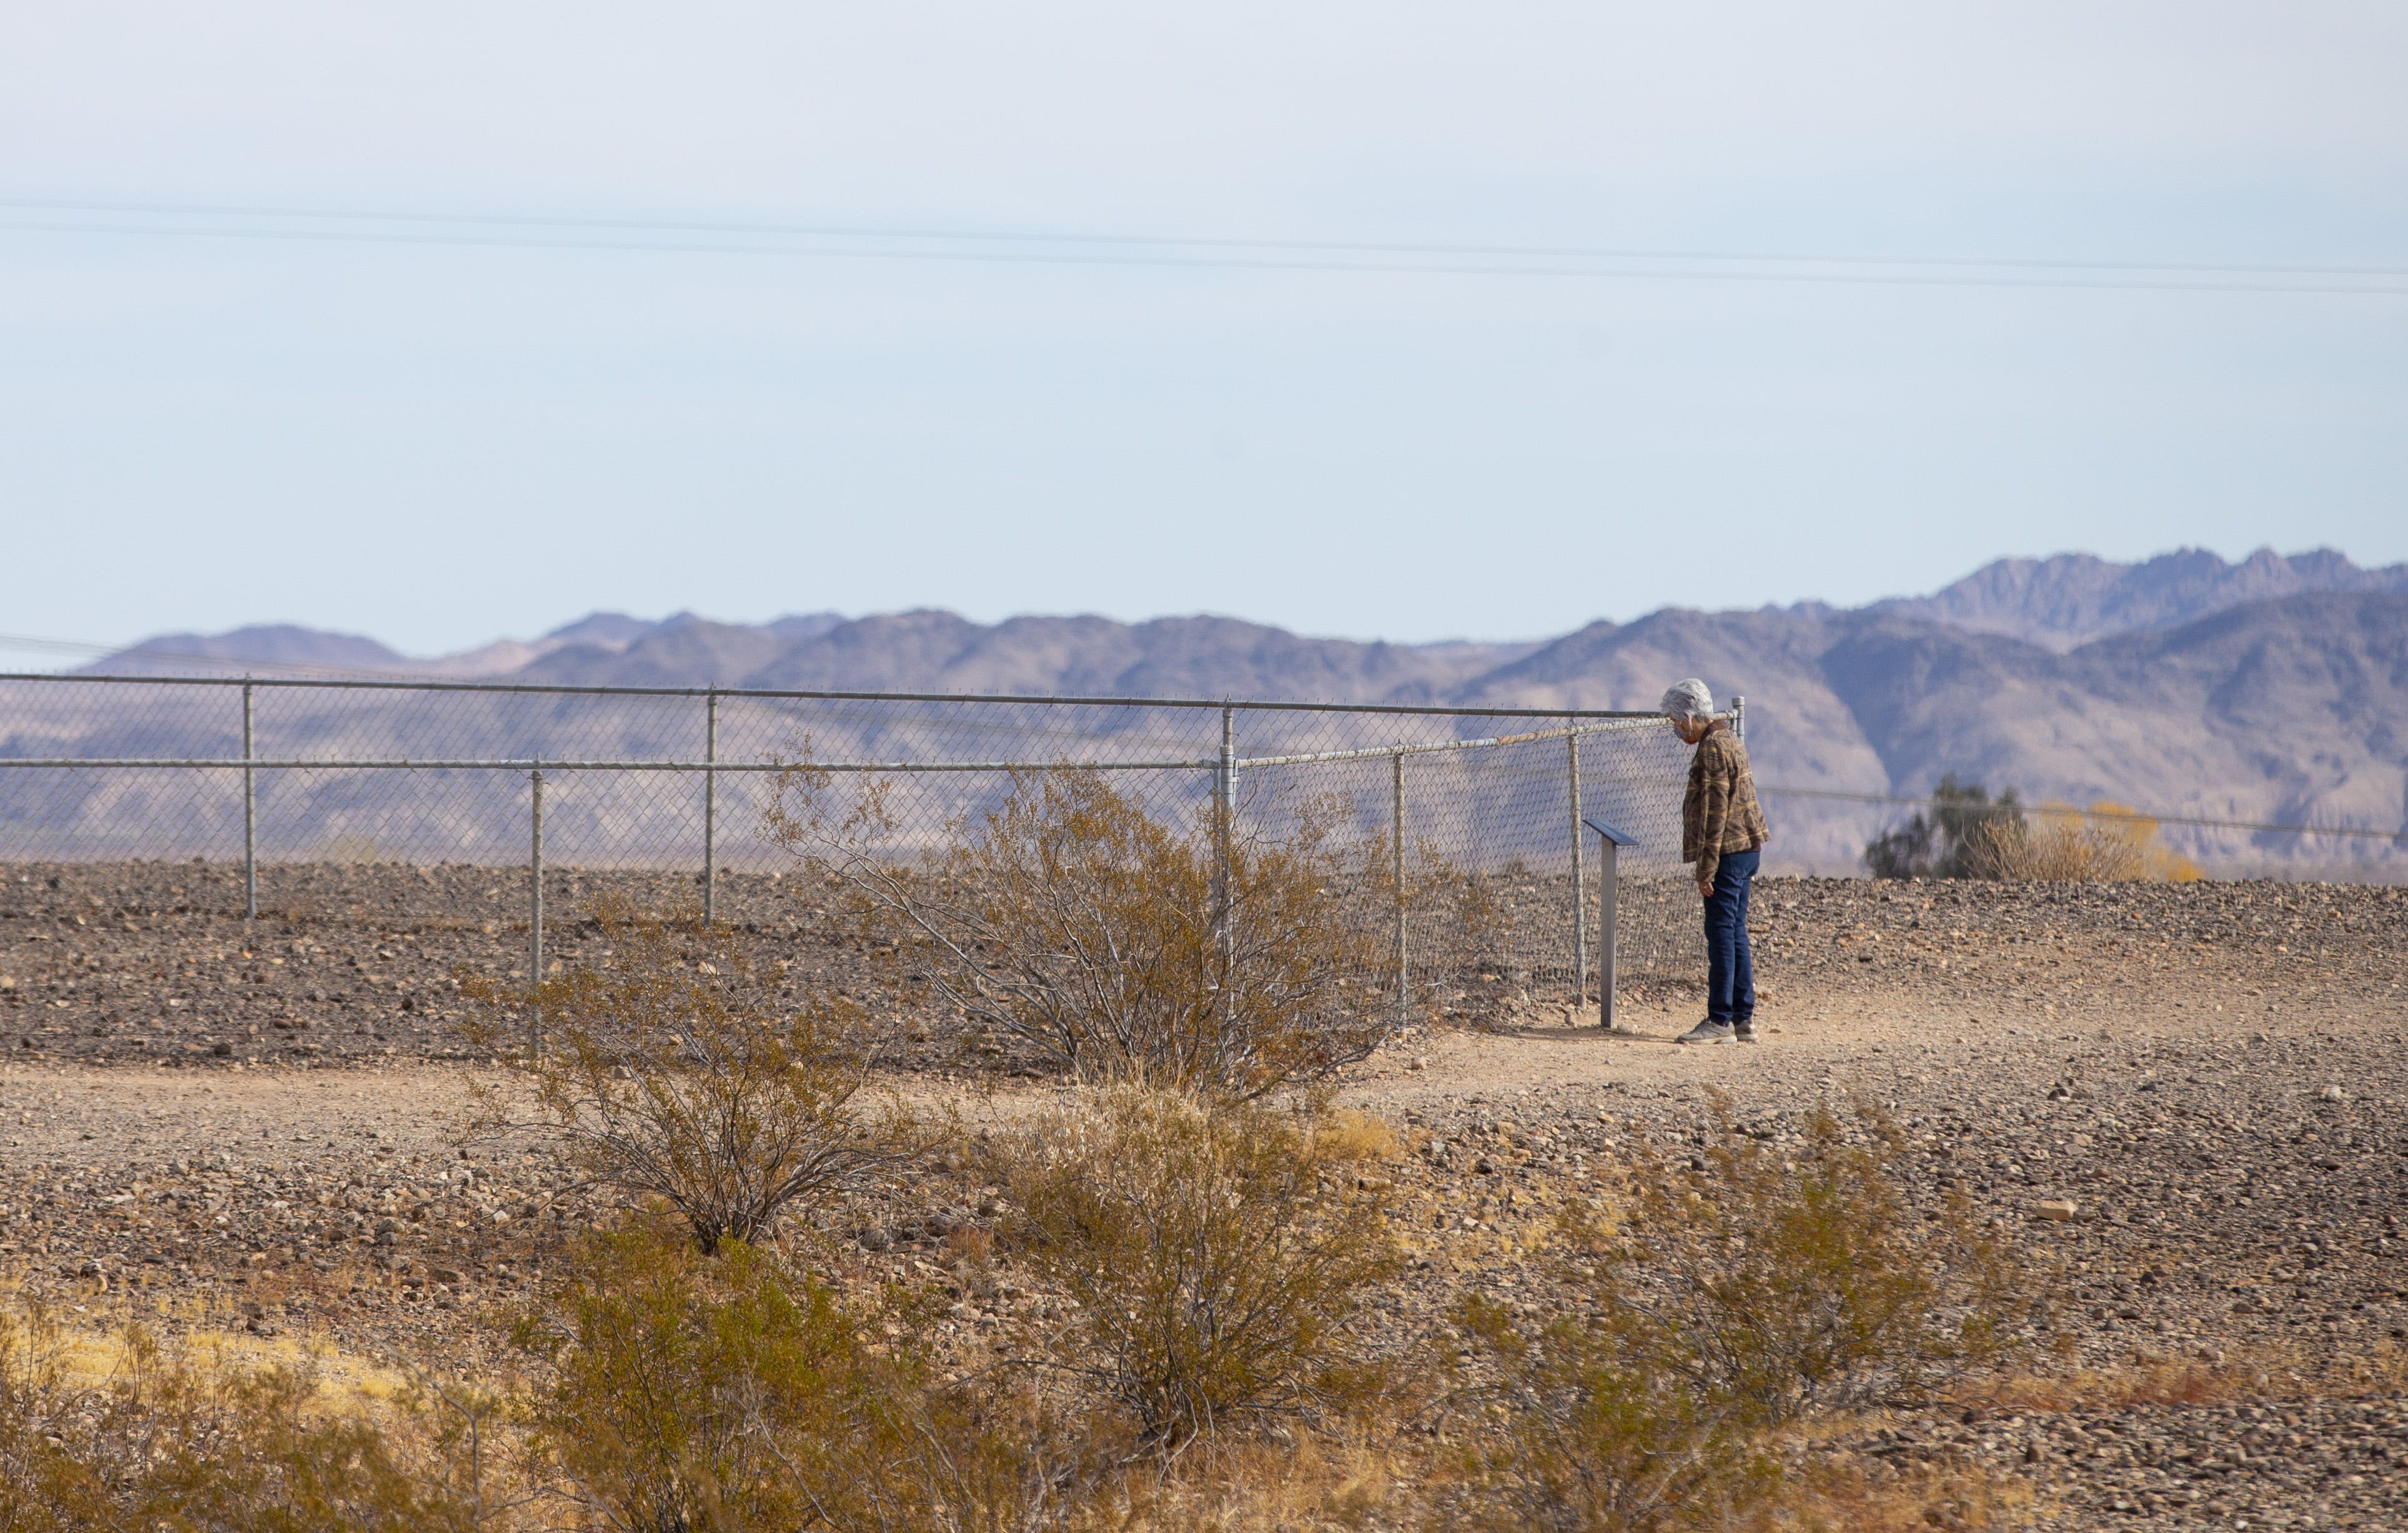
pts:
[1891, 1046]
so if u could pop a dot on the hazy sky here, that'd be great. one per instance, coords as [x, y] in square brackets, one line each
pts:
[463, 433]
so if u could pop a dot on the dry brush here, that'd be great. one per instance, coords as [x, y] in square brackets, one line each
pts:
[1209, 958]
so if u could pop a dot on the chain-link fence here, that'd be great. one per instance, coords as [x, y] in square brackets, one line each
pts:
[1467, 824]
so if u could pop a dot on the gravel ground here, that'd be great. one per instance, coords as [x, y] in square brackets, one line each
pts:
[149, 963]
[2210, 1075]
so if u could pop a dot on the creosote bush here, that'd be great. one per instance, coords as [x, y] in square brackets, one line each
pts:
[668, 1068]
[1213, 958]
[727, 1392]
[1727, 1304]
[1214, 1254]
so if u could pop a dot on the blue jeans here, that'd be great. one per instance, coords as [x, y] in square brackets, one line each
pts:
[1730, 968]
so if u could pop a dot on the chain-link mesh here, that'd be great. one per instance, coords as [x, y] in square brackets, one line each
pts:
[1500, 884]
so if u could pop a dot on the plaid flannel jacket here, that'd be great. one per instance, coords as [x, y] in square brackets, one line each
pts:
[1719, 812]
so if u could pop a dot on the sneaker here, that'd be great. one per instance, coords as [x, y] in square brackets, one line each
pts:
[1744, 1030]
[1708, 1031]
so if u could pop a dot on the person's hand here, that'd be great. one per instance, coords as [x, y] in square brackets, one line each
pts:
[1705, 886]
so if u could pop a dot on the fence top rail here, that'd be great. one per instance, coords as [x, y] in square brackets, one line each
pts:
[553, 689]
[1409, 749]
[777, 765]
[571, 764]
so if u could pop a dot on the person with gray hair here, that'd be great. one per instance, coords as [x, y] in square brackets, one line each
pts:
[1722, 832]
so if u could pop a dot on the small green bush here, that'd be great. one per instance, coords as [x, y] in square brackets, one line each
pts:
[1213, 958]
[1214, 1255]
[1727, 1304]
[668, 1070]
[725, 1392]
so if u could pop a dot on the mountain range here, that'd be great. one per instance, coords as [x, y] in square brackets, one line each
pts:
[2271, 689]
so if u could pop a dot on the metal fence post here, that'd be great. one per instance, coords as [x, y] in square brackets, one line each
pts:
[1228, 764]
[250, 818]
[711, 808]
[534, 914]
[1579, 885]
[1397, 856]
[1739, 719]
[1224, 820]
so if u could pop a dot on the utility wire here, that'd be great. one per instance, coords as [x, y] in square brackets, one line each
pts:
[2125, 815]
[1185, 241]
[58, 646]
[1190, 254]
[68, 646]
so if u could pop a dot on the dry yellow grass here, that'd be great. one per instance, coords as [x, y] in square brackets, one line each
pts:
[92, 1344]
[1842, 1497]
[1348, 1135]
[1315, 1482]
[2254, 1373]
[2112, 843]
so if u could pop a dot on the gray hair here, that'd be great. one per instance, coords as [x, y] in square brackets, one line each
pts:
[1688, 699]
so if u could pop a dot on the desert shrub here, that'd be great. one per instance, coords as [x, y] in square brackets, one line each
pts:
[1592, 1440]
[1214, 1255]
[1949, 841]
[669, 1069]
[1967, 835]
[1208, 958]
[1800, 1278]
[162, 1441]
[2112, 844]
[1777, 1283]
[725, 1392]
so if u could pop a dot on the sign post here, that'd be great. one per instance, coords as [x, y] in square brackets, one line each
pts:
[1610, 841]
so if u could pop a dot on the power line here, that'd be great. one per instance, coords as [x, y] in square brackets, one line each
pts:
[1185, 242]
[78, 647]
[2128, 816]
[59, 646]
[1183, 252]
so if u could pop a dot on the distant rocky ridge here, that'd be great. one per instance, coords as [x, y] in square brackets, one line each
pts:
[2058, 603]
[2273, 690]
[273, 649]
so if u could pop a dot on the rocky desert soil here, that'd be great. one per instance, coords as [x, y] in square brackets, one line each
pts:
[2185, 1102]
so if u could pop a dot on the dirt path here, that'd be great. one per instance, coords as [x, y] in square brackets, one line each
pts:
[1889, 1044]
